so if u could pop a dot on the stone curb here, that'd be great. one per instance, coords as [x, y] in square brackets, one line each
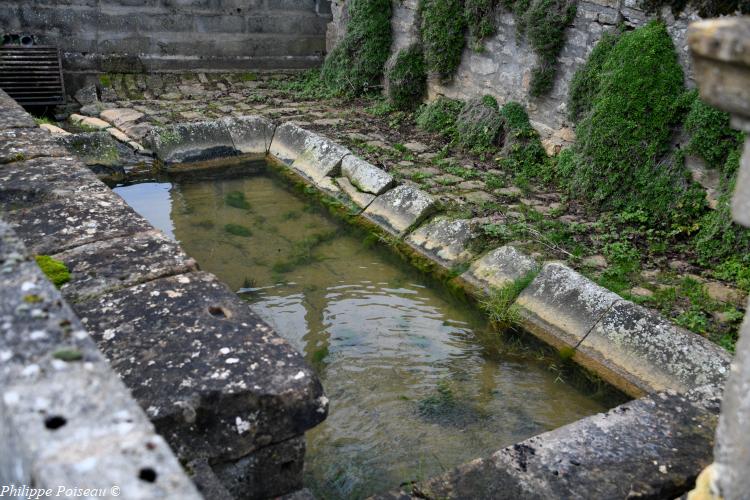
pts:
[66, 418]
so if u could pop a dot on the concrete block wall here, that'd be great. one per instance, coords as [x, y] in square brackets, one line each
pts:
[156, 35]
[504, 68]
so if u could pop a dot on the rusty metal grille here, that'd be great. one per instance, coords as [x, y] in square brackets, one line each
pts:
[32, 75]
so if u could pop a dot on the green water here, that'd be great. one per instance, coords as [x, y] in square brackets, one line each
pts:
[418, 382]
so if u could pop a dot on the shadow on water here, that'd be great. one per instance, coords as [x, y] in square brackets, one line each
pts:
[418, 381]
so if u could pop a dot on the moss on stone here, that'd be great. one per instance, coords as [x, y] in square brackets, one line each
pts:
[57, 272]
[355, 66]
[407, 79]
[442, 30]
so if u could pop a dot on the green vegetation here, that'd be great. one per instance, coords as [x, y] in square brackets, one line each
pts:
[585, 83]
[544, 23]
[355, 66]
[522, 152]
[480, 19]
[308, 85]
[624, 134]
[439, 116]
[480, 125]
[439, 403]
[302, 252]
[499, 305]
[43, 121]
[57, 272]
[442, 31]
[407, 79]
[238, 230]
[248, 77]
[68, 355]
[105, 80]
[711, 137]
[237, 199]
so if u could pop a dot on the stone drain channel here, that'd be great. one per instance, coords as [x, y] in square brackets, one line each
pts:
[169, 331]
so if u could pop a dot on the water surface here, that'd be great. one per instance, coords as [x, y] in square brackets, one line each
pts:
[418, 381]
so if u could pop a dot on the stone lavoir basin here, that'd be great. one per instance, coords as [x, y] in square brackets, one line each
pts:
[418, 380]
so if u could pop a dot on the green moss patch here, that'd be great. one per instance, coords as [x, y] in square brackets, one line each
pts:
[237, 199]
[238, 230]
[355, 66]
[407, 79]
[57, 272]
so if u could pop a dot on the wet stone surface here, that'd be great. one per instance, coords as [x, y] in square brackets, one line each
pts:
[650, 448]
[216, 380]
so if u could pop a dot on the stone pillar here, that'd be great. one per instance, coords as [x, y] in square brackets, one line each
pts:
[721, 53]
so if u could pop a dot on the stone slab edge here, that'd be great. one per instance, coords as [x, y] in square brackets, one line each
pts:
[626, 373]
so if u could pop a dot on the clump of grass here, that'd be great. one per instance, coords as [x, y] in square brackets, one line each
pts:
[406, 80]
[479, 126]
[499, 305]
[57, 272]
[355, 66]
[442, 30]
[440, 116]
[522, 150]
[237, 199]
[238, 230]
[480, 20]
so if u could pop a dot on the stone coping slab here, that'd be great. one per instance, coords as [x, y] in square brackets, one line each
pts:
[26, 143]
[251, 134]
[444, 240]
[499, 268]
[107, 266]
[649, 448]
[400, 209]
[362, 200]
[366, 176]
[71, 221]
[28, 183]
[217, 382]
[12, 115]
[65, 418]
[313, 156]
[191, 142]
[643, 349]
[561, 306]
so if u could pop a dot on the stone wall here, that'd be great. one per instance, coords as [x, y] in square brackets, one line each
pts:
[504, 68]
[138, 35]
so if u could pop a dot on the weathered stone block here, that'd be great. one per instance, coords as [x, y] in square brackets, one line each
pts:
[217, 382]
[121, 117]
[251, 134]
[72, 220]
[362, 200]
[650, 448]
[266, 473]
[561, 306]
[365, 176]
[644, 352]
[445, 240]
[27, 143]
[499, 268]
[28, 183]
[12, 115]
[400, 209]
[111, 265]
[313, 156]
[191, 142]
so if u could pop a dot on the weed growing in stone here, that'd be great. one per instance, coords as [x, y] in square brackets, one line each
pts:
[499, 305]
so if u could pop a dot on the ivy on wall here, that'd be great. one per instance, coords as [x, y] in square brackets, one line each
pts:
[355, 66]
[442, 30]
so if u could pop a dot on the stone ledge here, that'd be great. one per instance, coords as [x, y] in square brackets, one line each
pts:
[65, 418]
[646, 352]
[313, 156]
[191, 142]
[649, 448]
[400, 209]
[251, 134]
[107, 266]
[365, 176]
[444, 240]
[499, 268]
[216, 381]
[561, 306]
[27, 143]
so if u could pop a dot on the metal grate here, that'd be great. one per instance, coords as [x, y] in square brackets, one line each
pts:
[32, 75]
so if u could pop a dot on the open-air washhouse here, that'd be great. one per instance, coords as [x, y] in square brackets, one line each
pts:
[414, 249]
